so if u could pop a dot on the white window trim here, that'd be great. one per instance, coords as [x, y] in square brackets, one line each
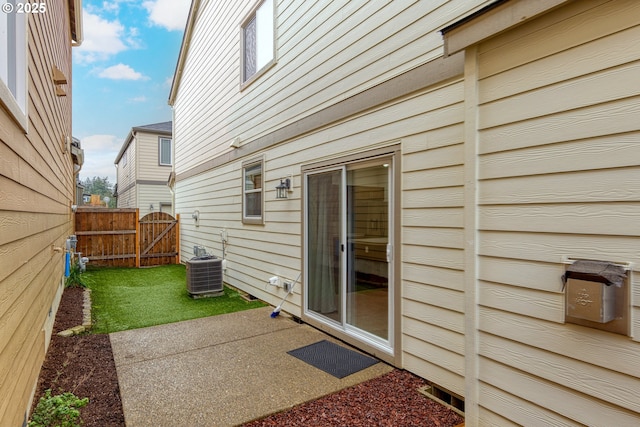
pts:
[16, 104]
[265, 67]
[253, 219]
[160, 139]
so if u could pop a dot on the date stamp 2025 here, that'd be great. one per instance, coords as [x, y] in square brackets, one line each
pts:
[26, 7]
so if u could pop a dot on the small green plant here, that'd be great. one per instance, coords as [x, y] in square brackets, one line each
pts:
[75, 277]
[58, 411]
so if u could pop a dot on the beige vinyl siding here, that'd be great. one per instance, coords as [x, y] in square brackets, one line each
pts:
[484, 223]
[127, 196]
[37, 190]
[558, 176]
[152, 194]
[142, 181]
[148, 160]
[388, 38]
[428, 127]
[432, 242]
[254, 252]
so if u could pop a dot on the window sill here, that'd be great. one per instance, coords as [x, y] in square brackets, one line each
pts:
[257, 75]
[9, 103]
[253, 221]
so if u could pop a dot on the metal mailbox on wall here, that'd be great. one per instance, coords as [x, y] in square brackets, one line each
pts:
[596, 295]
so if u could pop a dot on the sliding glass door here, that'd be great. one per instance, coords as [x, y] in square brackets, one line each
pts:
[348, 248]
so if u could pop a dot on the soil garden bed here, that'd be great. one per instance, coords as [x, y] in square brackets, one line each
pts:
[84, 365]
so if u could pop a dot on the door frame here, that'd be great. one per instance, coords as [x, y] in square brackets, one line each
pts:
[393, 356]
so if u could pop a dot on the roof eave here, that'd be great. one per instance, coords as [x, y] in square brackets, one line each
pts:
[75, 18]
[126, 143]
[498, 16]
[184, 50]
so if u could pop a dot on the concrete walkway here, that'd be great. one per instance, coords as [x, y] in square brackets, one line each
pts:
[220, 371]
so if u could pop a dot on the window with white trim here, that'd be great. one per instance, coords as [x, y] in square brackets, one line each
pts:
[13, 64]
[252, 192]
[164, 151]
[258, 40]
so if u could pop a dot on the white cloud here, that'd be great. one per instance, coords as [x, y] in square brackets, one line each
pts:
[101, 143]
[100, 151]
[121, 72]
[170, 14]
[108, 6]
[102, 39]
[138, 99]
[111, 6]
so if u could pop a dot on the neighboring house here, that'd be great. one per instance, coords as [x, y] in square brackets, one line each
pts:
[440, 185]
[144, 164]
[38, 167]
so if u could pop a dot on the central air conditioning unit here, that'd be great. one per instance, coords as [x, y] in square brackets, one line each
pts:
[204, 277]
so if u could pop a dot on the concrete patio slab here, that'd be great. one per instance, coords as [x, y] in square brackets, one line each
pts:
[220, 371]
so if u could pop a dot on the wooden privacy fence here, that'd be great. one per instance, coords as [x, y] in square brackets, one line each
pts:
[117, 238]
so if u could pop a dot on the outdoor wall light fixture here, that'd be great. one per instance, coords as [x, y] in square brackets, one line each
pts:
[283, 188]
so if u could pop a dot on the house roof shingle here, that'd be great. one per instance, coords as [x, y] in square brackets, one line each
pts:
[156, 127]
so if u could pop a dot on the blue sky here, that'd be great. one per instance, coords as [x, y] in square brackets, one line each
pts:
[122, 73]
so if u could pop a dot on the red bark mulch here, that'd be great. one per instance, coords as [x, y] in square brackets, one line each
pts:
[390, 400]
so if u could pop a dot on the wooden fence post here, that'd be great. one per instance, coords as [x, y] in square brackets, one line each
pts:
[137, 237]
[177, 238]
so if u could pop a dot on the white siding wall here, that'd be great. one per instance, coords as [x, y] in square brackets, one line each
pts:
[256, 253]
[152, 177]
[126, 178]
[326, 52]
[432, 241]
[142, 182]
[559, 175]
[152, 195]
[148, 158]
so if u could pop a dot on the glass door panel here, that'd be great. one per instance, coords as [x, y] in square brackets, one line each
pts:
[324, 244]
[348, 251]
[367, 289]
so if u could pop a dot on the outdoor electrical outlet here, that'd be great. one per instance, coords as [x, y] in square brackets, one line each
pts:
[287, 286]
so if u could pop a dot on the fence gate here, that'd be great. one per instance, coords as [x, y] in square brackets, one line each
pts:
[117, 238]
[158, 235]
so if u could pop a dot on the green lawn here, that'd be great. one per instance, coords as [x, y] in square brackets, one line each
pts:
[129, 298]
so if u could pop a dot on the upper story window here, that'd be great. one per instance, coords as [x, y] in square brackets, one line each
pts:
[13, 64]
[164, 151]
[125, 158]
[258, 40]
[252, 192]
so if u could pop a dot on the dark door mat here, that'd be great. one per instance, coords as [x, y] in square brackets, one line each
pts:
[333, 358]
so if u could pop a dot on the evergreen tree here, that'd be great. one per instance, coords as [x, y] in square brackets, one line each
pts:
[100, 186]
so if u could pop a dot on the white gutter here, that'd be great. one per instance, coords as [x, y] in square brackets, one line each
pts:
[77, 15]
